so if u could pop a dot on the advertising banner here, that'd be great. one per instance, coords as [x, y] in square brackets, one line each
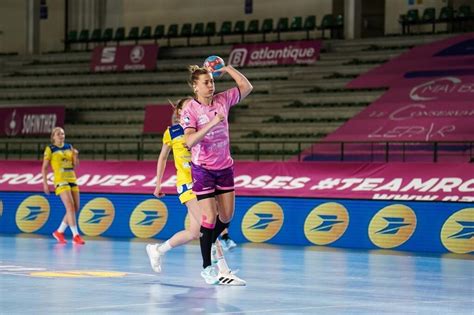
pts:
[441, 227]
[30, 121]
[281, 53]
[124, 58]
[375, 181]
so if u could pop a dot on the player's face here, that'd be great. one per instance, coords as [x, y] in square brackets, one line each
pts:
[59, 136]
[204, 87]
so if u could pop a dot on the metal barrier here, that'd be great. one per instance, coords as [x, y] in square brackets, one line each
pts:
[142, 148]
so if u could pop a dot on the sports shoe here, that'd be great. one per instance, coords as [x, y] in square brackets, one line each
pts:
[230, 279]
[155, 257]
[228, 244]
[210, 275]
[59, 237]
[78, 240]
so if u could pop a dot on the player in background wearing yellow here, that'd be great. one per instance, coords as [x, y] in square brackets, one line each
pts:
[63, 159]
[173, 140]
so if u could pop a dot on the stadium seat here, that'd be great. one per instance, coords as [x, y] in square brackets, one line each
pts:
[134, 34]
[253, 27]
[210, 31]
[309, 24]
[146, 33]
[96, 36]
[446, 15]
[186, 31]
[296, 24]
[119, 34]
[327, 23]
[71, 37]
[239, 29]
[267, 27]
[198, 30]
[429, 17]
[282, 26]
[226, 29]
[107, 35]
[172, 32]
[159, 32]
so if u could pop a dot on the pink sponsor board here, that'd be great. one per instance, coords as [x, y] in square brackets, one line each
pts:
[430, 96]
[380, 181]
[30, 121]
[452, 54]
[419, 109]
[282, 53]
[157, 118]
[124, 58]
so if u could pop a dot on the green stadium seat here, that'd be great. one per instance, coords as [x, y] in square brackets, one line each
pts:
[267, 27]
[282, 26]
[146, 33]
[210, 31]
[226, 29]
[239, 29]
[96, 36]
[107, 35]
[134, 34]
[186, 31]
[327, 23]
[119, 34]
[253, 27]
[429, 17]
[198, 30]
[446, 14]
[296, 24]
[309, 24]
[72, 37]
[159, 32]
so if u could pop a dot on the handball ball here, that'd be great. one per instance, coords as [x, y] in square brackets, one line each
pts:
[214, 63]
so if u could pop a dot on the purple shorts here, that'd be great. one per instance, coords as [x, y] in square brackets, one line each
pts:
[208, 181]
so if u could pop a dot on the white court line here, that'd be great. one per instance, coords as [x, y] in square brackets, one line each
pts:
[117, 306]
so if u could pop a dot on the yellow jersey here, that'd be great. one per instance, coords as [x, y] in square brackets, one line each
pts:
[61, 163]
[174, 138]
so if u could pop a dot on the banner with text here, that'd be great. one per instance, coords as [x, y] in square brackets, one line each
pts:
[378, 181]
[124, 58]
[281, 53]
[30, 121]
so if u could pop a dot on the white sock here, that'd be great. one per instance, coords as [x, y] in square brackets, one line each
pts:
[74, 230]
[62, 227]
[221, 262]
[163, 248]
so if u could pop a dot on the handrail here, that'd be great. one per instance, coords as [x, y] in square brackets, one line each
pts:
[371, 151]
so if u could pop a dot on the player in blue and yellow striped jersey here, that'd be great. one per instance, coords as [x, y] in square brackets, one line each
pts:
[63, 159]
[173, 140]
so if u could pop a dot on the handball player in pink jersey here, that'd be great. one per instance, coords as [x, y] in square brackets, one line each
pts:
[206, 130]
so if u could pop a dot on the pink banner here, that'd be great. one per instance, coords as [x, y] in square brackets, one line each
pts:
[419, 109]
[157, 118]
[452, 56]
[30, 121]
[381, 181]
[282, 53]
[124, 58]
[431, 96]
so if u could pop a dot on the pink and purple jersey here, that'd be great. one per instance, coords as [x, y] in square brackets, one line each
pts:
[213, 151]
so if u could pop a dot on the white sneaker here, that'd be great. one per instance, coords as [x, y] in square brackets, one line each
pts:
[228, 244]
[155, 257]
[230, 279]
[210, 275]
